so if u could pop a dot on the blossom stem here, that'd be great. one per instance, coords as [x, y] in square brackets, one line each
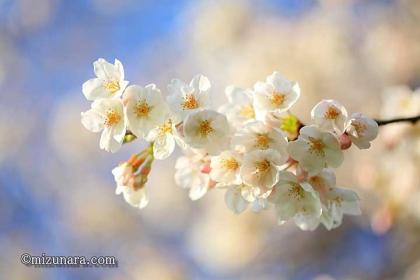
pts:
[129, 137]
[413, 120]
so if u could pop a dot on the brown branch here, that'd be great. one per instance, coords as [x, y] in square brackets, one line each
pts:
[412, 120]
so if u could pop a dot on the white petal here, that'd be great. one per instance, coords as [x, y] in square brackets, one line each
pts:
[163, 146]
[92, 120]
[94, 89]
[234, 200]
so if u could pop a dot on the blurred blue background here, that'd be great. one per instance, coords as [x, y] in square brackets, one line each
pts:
[57, 190]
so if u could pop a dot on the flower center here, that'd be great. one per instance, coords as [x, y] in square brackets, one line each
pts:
[318, 183]
[142, 109]
[112, 118]
[337, 200]
[205, 128]
[247, 111]
[316, 146]
[262, 166]
[332, 113]
[359, 127]
[112, 86]
[262, 141]
[289, 123]
[165, 128]
[296, 191]
[190, 102]
[230, 164]
[277, 98]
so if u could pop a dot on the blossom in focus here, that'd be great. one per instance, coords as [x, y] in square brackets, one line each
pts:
[260, 169]
[145, 109]
[335, 201]
[187, 98]
[240, 109]
[164, 138]
[258, 136]
[362, 130]
[225, 168]
[109, 81]
[106, 115]
[275, 95]
[189, 174]
[330, 115]
[297, 201]
[207, 130]
[131, 180]
[315, 149]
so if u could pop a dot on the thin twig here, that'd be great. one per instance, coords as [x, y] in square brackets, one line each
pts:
[413, 120]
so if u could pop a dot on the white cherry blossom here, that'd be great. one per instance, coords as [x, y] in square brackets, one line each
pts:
[362, 130]
[225, 168]
[258, 136]
[339, 201]
[315, 149]
[207, 130]
[189, 174]
[187, 98]
[109, 81]
[164, 138]
[335, 201]
[330, 115]
[297, 201]
[106, 115]
[260, 169]
[275, 95]
[145, 109]
[131, 185]
[240, 109]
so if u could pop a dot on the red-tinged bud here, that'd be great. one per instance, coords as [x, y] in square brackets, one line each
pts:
[205, 168]
[145, 170]
[211, 184]
[345, 141]
[136, 161]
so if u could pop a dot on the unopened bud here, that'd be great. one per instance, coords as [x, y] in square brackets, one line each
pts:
[345, 141]
[205, 168]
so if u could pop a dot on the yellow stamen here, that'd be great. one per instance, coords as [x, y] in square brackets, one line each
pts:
[165, 128]
[262, 166]
[112, 86]
[296, 191]
[316, 146]
[205, 128]
[190, 102]
[230, 164]
[359, 127]
[332, 113]
[247, 111]
[277, 98]
[338, 200]
[142, 109]
[112, 118]
[262, 141]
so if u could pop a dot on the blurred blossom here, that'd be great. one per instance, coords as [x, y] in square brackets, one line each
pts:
[71, 142]
[223, 242]
[33, 15]
[15, 137]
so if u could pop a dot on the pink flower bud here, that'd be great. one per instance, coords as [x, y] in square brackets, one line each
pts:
[205, 168]
[345, 141]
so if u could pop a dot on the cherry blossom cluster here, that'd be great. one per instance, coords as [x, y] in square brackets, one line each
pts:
[252, 147]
